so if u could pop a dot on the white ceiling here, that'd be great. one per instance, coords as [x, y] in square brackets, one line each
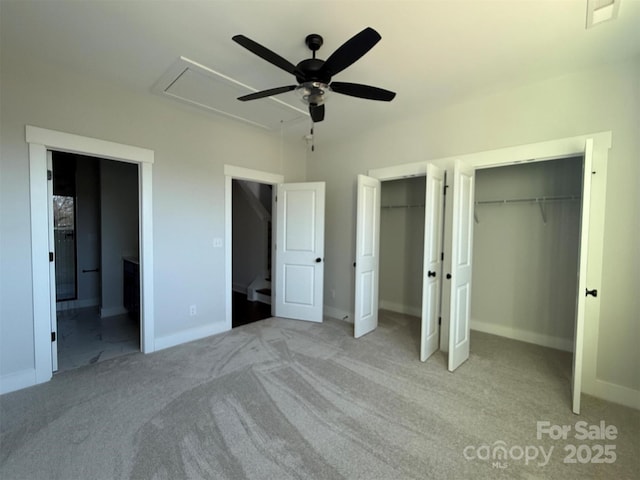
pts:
[432, 52]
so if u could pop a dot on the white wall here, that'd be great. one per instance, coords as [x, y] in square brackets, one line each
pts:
[402, 245]
[191, 149]
[88, 230]
[119, 225]
[603, 99]
[524, 268]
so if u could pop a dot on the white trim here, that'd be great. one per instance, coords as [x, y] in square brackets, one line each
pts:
[18, 380]
[532, 152]
[232, 172]
[549, 341]
[400, 308]
[241, 173]
[399, 171]
[68, 142]
[112, 311]
[76, 304]
[616, 393]
[190, 335]
[40, 140]
[147, 306]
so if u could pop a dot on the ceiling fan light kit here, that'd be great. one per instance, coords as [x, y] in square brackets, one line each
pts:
[314, 75]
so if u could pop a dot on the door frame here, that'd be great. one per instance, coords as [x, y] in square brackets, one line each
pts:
[232, 172]
[40, 140]
[551, 150]
[547, 150]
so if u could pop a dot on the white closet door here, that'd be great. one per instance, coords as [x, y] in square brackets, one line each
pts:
[300, 251]
[461, 252]
[367, 255]
[578, 338]
[432, 269]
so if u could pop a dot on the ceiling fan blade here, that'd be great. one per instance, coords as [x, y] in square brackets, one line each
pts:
[267, 93]
[362, 91]
[351, 51]
[265, 54]
[317, 112]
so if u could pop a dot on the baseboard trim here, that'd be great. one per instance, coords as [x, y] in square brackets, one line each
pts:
[112, 311]
[236, 287]
[190, 335]
[523, 335]
[614, 393]
[338, 314]
[400, 308]
[17, 380]
[74, 304]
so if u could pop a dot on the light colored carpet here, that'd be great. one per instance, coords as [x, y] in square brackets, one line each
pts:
[282, 399]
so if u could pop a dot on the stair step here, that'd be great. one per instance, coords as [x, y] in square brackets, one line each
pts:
[264, 291]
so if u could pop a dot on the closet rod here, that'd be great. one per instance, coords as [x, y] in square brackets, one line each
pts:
[528, 200]
[541, 201]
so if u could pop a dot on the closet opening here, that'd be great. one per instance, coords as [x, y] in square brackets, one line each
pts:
[526, 247]
[402, 222]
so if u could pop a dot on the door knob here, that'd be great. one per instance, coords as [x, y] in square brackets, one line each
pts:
[431, 274]
[448, 276]
[593, 292]
[318, 260]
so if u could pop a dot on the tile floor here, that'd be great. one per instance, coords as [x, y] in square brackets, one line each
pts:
[85, 338]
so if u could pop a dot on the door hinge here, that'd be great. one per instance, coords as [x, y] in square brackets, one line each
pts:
[441, 255]
[53, 336]
[49, 175]
[445, 189]
[439, 320]
[51, 256]
[593, 293]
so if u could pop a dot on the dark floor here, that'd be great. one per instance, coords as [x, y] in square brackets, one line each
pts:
[245, 311]
[85, 338]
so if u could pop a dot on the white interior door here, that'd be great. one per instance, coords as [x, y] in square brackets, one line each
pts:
[367, 255]
[52, 266]
[432, 269]
[461, 260]
[299, 248]
[578, 338]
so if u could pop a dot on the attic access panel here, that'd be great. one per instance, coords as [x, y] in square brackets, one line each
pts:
[195, 84]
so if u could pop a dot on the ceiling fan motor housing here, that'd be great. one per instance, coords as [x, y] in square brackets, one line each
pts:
[310, 70]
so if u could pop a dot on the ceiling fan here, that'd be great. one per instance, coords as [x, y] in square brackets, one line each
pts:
[314, 75]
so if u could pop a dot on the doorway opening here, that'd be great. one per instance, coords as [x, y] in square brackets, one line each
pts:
[95, 227]
[402, 219]
[251, 251]
[526, 248]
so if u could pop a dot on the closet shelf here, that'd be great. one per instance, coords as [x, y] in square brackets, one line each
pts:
[401, 206]
[541, 201]
[529, 200]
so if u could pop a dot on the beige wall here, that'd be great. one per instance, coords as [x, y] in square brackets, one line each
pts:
[597, 100]
[191, 148]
